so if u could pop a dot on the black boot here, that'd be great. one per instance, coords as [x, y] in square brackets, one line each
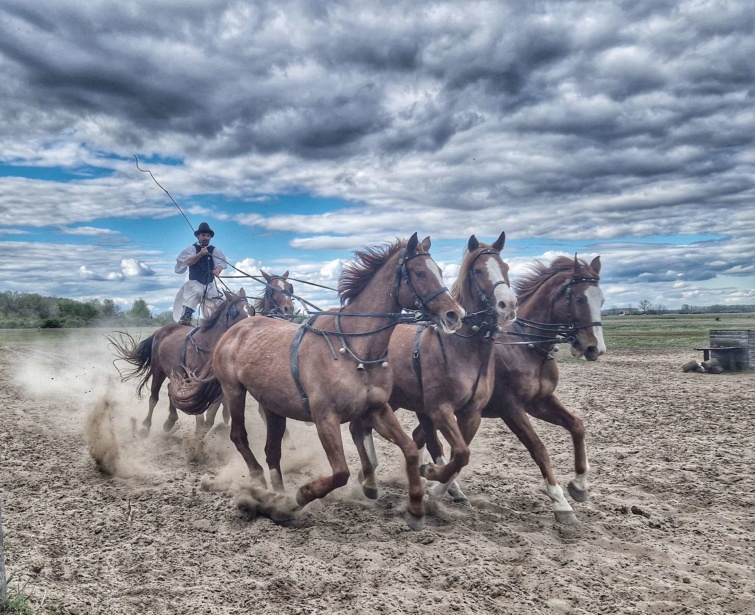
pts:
[186, 316]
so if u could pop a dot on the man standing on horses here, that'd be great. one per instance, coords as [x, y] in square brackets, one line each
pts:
[204, 262]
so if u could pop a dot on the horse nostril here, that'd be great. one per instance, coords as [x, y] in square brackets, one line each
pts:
[452, 317]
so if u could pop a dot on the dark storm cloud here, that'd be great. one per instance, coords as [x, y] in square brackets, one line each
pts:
[589, 121]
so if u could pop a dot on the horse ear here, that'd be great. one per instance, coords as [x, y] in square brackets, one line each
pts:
[267, 276]
[241, 292]
[285, 275]
[411, 245]
[595, 264]
[228, 295]
[499, 243]
[426, 244]
[576, 264]
[473, 244]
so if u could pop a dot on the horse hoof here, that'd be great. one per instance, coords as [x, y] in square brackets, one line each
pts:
[578, 495]
[300, 499]
[566, 517]
[415, 524]
[462, 501]
[370, 492]
[144, 432]
[167, 426]
[423, 470]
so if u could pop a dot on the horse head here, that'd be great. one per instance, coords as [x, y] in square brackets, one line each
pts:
[234, 308]
[419, 286]
[487, 280]
[580, 300]
[564, 299]
[278, 297]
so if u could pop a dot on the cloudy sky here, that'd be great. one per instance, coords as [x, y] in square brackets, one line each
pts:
[304, 130]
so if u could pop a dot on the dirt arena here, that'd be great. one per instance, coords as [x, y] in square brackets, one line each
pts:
[668, 528]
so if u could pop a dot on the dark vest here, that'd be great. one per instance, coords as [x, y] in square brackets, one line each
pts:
[201, 271]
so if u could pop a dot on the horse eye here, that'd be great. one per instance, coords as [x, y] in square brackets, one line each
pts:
[419, 274]
[581, 300]
[477, 271]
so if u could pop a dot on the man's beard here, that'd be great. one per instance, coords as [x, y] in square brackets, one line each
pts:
[204, 242]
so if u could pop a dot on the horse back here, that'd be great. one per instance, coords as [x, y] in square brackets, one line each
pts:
[256, 355]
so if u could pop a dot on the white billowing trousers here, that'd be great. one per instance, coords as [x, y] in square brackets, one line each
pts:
[192, 293]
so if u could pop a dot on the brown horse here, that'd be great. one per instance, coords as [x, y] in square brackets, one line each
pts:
[174, 348]
[277, 299]
[310, 381]
[559, 302]
[449, 379]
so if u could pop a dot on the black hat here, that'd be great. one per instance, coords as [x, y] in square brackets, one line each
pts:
[204, 228]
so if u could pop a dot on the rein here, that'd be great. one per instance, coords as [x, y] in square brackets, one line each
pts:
[553, 333]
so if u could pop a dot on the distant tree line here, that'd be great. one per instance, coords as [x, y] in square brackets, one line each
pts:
[646, 307]
[30, 310]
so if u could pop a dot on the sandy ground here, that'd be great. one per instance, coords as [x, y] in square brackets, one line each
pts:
[668, 528]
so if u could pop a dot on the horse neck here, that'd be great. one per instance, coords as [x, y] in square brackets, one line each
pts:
[213, 334]
[377, 296]
[539, 306]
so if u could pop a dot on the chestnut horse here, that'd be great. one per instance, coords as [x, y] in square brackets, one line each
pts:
[310, 381]
[277, 299]
[449, 379]
[172, 349]
[557, 302]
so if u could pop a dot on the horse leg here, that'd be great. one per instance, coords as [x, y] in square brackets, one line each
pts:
[362, 436]
[170, 422]
[236, 402]
[385, 422]
[226, 414]
[209, 416]
[443, 418]
[329, 429]
[276, 428]
[157, 381]
[519, 423]
[469, 423]
[553, 411]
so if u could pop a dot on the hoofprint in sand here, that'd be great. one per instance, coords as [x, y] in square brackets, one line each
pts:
[99, 520]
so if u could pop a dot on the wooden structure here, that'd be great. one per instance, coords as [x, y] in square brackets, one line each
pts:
[734, 349]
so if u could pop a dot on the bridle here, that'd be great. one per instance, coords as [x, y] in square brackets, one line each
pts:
[270, 291]
[557, 333]
[402, 273]
[490, 320]
[232, 312]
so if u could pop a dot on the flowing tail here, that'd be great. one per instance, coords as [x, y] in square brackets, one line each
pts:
[138, 354]
[197, 392]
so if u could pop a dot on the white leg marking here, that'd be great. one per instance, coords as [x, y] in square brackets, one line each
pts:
[556, 494]
[580, 480]
[369, 445]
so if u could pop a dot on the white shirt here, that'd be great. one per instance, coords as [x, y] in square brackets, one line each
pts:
[218, 258]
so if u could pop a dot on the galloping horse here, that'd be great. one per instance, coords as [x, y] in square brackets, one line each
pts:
[313, 382]
[276, 301]
[557, 302]
[449, 379]
[173, 347]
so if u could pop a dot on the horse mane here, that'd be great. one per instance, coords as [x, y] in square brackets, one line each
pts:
[459, 286]
[259, 304]
[540, 273]
[359, 272]
[209, 323]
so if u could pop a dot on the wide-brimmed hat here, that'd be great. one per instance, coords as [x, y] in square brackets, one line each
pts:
[204, 228]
